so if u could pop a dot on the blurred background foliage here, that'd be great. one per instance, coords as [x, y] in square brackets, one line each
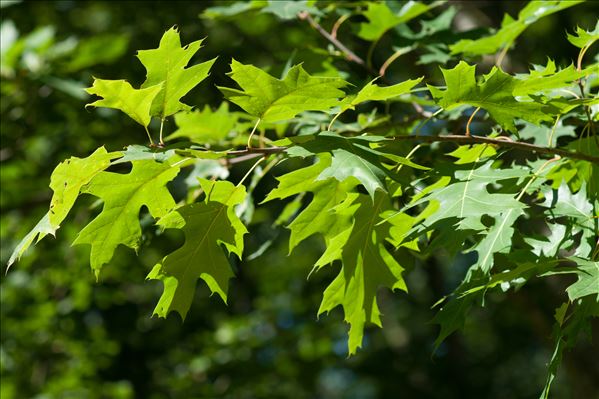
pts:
[66, 336]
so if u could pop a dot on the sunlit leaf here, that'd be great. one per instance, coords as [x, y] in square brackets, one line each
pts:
[272, 99]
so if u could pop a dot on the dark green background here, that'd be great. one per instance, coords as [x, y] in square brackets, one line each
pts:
[66, 336]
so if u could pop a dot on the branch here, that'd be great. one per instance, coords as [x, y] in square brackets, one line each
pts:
[254, 150]
[249, 153]
[460, 139]
[349, 54]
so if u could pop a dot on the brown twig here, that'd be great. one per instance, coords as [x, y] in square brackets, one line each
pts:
[249, 153]
[518, 145]
[470, 121]
[348, 53]
[304, 15]
[257, 150]
[338, 23]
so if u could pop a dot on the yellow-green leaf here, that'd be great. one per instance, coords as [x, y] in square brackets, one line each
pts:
[119, 94]
[166, 65]
[272, 99]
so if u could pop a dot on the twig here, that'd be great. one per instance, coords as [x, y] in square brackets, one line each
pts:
[470, 121]
[460, 139]
[252, 133]
[161, 142]
[250, 171]
[249, 153]
[242, 158]
[338, 23]
[393, 57]
[258, 150]
[304, 15]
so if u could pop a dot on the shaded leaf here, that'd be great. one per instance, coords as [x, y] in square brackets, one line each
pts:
[206, 226]
[498, 238]
[588, 280]
[452, 316]
[511, 28]
[366, 266]
[468, 199]
[206, 126]
[352, 158]
[288, 9]
[381, 18]
[372, 92]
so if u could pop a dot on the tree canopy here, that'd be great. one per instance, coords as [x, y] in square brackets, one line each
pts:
[324, 168]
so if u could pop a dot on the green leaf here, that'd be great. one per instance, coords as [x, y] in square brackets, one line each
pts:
[507, 278]
[366, 266]
[101, 49]
[166, 66]
[584, 38]
[588, 280]
[41, 229]
[299, 181]
[441, 22]
[498, 238]
[494, 94]
[352, 158]
[288, 9]
[272, 99]
[468, 199]
[68, 178]
[567, 334]
[138, 152]
[206, 126]
[466, 154]
[123, 196]
[510, 28]
[372, 92]
[541, 135]
[232, 9]
[381, 18]
[435, 53]
[550, 243]
[547, 79]
[319, 215]
[563, 202]
[206, 226]
[452, 317]
[119, 94]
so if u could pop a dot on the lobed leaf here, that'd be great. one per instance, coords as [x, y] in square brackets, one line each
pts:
[206, 226]
[123, 196]
[381, 18]
[511, 28]
[366, 264]
[495, 95]
[272, 99]
[583, 38]
[166, 66]
[119, 94]
[206, 126]
[70, 176]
